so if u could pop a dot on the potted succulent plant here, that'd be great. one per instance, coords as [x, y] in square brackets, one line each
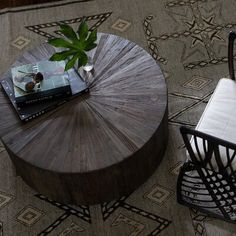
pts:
[76, 44]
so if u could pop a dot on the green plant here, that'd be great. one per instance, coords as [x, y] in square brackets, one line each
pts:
[76, 45]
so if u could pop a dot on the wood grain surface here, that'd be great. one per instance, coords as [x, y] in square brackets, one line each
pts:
[102, 145]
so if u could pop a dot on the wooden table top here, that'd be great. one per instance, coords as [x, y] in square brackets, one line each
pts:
[126, 103]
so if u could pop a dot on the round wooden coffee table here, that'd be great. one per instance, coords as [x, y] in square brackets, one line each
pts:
[102, 145]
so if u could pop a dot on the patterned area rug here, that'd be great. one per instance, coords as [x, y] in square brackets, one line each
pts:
[188, 38]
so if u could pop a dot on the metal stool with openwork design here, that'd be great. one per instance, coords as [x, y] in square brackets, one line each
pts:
[207, 180]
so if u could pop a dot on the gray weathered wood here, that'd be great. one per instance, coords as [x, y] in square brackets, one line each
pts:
[102, 145]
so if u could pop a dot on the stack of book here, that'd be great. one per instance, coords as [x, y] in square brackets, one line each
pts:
[34, 89]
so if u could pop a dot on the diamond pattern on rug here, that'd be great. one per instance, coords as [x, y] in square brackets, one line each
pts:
[197, 215]
[181, 51]
[198, 219]
[197, 82]
[5, 199]
[159, 194]
[50, 29]
[20, 42]
[29, 215]
[121, 25]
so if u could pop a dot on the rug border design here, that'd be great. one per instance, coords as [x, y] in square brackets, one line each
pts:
[196, 101]
[38, 29]
[194, 30]
[198, 222]
[72, 229]
[120, 203]
[10, 196]
[152, 45]
[124, 219]
[110, 210]
[83, 213]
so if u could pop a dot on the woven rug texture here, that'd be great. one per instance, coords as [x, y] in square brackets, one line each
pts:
[188, 38]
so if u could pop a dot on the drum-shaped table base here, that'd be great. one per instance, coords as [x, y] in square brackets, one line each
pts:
[99, 146]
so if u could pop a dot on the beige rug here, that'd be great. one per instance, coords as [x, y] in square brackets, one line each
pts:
[188, 38]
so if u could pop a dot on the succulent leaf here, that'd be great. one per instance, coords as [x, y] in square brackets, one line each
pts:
[83, 59]
[90, 46]
[59, 42]
[59, 56]
[83, 30]
[80, 44]
[71, 62]
[92, 37]
[77, 44]
[69, 32]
